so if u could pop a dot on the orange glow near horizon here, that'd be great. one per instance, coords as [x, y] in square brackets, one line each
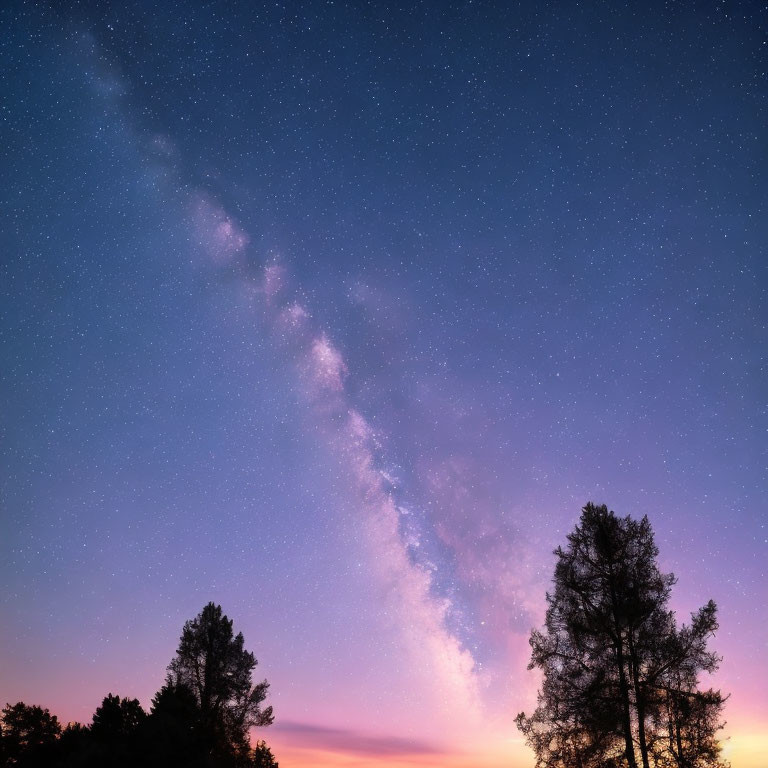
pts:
[744, 749]
[747, 749]
[293, 757]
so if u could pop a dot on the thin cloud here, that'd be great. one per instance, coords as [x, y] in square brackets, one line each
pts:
[307, 736]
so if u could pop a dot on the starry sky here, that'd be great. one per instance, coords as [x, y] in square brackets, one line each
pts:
[336, 314]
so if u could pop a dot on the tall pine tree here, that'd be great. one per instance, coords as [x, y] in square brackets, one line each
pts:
[212, 663]
[620, 679]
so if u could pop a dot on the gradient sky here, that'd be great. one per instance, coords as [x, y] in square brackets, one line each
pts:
[336, 313]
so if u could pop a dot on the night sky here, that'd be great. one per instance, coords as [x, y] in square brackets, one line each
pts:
[337, 313]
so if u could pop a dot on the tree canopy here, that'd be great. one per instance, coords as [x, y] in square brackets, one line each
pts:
[620, 680]
[212, 663]
[200, 717]
[29, 735]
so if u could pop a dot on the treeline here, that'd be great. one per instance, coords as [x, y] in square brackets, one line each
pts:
[620, 680]
[200, 718]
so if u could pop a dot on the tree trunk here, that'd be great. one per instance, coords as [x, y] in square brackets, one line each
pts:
[623, 684]
[624, 691]
[639, 701]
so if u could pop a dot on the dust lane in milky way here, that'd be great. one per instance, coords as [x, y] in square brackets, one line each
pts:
[338, 314]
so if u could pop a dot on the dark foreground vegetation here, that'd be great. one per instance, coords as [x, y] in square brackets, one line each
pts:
[200, 718]
[620, 679]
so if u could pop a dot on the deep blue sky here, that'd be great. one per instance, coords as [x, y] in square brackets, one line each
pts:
[337, 313]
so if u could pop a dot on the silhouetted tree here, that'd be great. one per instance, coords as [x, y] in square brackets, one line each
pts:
[200, 718]
[117, 719]
[620, 680]
[263, 757]
[213, 664]
[115, 730]
[29, 735]
[75, 747]
[173, 729]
